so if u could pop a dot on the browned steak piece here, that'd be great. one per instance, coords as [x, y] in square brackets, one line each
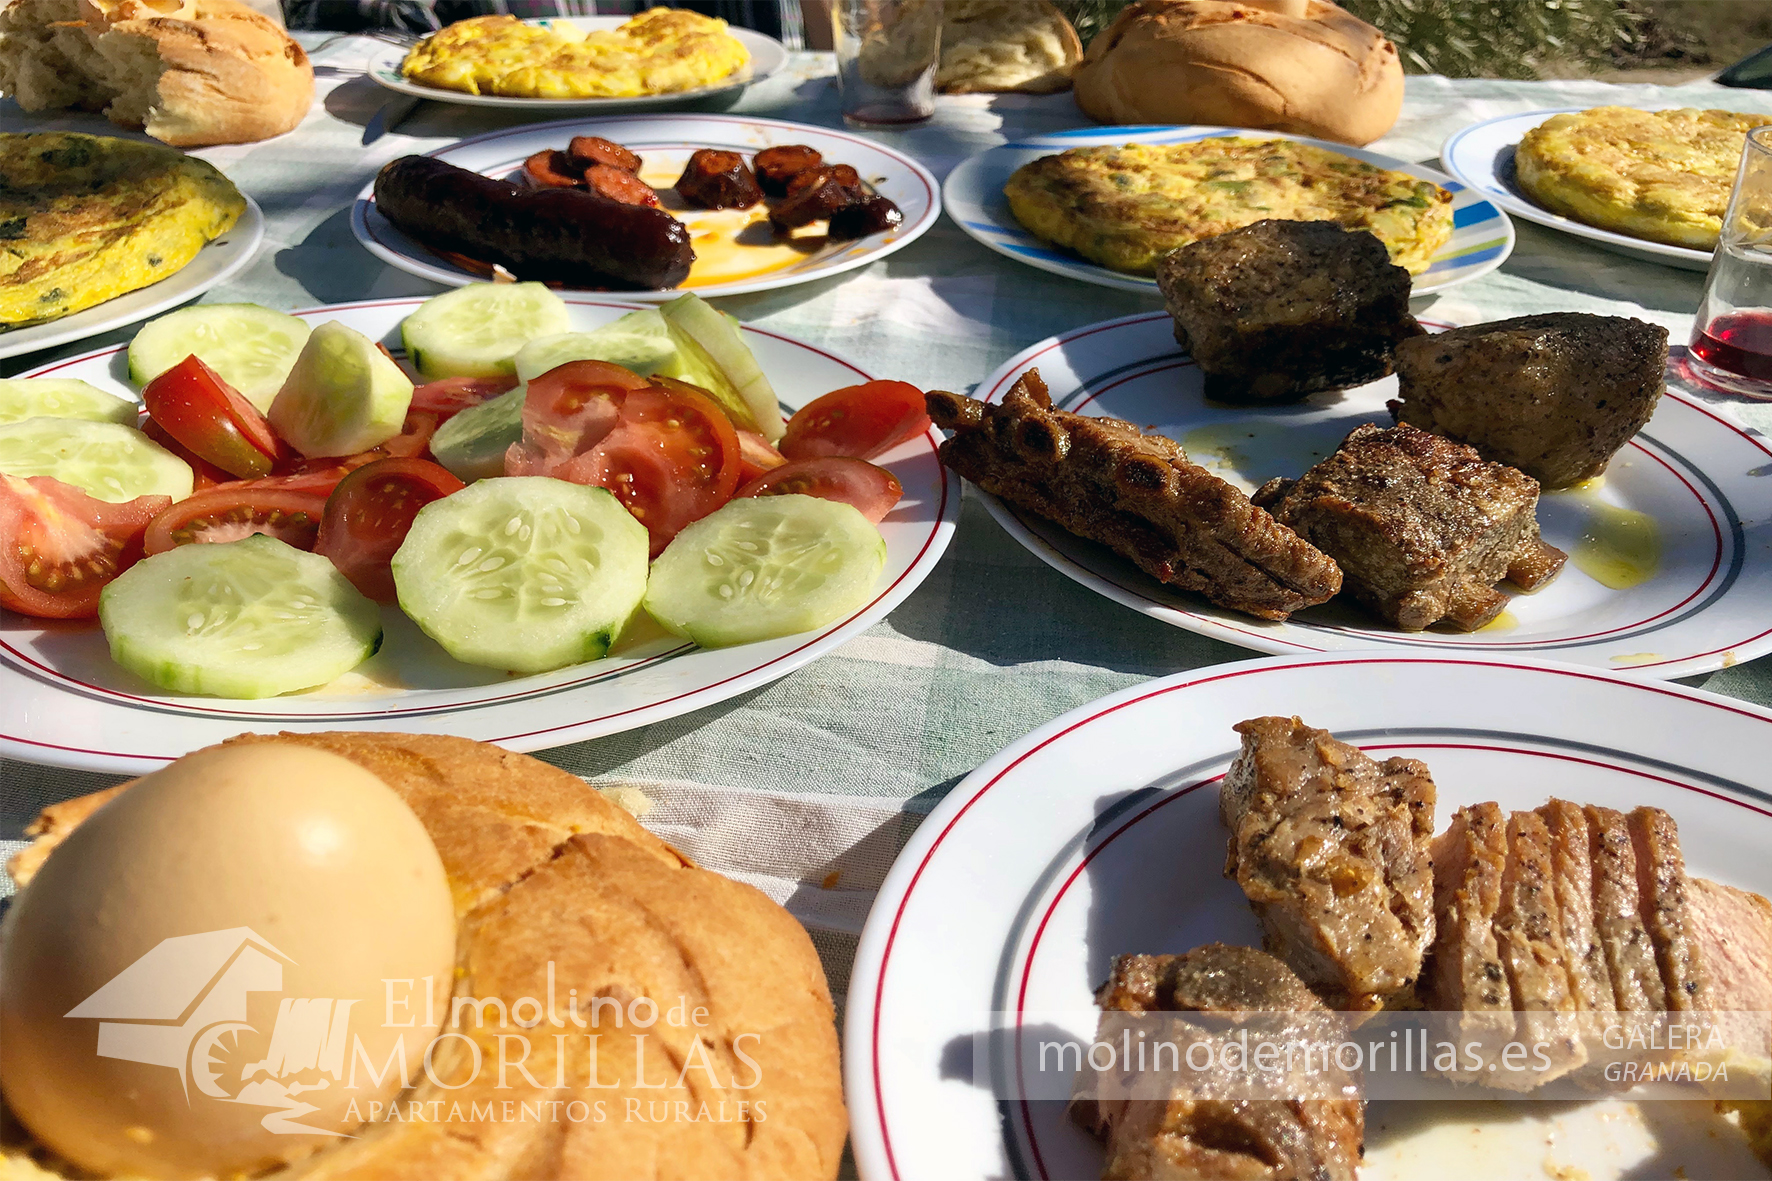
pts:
[1331, 849]
[1573, 875]
[1662, 894]
[1630, 954]
[1529, 936]
[1554, 395]
[1110, 482]
[1422, 527]
[1280, 309]
[1467, 975]
[1314, 1139]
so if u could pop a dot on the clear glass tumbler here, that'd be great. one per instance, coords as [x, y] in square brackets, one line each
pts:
[887, 51]
[1732, 335]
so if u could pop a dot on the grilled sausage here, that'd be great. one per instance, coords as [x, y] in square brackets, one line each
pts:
[872, 214]
[841, 173]
[553, 170]
[619, 185]
[718, 180]
[776, 166]
[594, 149]
[817, 201]
[570, 236]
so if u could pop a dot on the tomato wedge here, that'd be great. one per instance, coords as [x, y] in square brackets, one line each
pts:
[756, 456]
[449, 396]
[203, 473]
[859, 421]
[59, 547]
[567, 411]
[287, 508]
[323, 475]
[369, 513]
[201, 411]
[672, 457]
[872, 490]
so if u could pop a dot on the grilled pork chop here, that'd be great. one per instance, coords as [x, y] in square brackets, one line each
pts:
[1331, 849]
[1137, 493]
[1277, 1139]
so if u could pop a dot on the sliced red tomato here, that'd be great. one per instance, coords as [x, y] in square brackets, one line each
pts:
[368, 514]
[413, 440]
[567, 411]
[60, 547]
[756, 456]
[873, 490]
[451, 395]
[859, 421]
[287, 508]
[203, 412]
[203, 473]
[672, 457]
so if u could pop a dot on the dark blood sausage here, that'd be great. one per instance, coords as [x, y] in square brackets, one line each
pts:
[817, 201]
[594, 149]
[841, 173]
[554, 170]
[776, 166]
[872, 214]
[718, 180]
[570, 236]
[619, 185]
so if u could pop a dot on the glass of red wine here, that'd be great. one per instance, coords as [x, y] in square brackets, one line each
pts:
[1732, 335]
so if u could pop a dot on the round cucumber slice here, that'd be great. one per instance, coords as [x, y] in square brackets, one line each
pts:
[475, 331]
[523, 573]
[55, 397]
[103, 459]
[251, 347]
[249, 618]
[342, 396]
[763, 567]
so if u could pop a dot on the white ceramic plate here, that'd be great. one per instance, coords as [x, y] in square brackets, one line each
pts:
[63, 701]
[1002, 914]
[768, 56]
[665, 143]
[218, 261]
[1482, 156]
[1698, 477]
[1481, 238]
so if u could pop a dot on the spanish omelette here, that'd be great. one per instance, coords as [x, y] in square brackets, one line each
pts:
[84, 218]
[1660, 175]
[660, 51]
[1124, 206]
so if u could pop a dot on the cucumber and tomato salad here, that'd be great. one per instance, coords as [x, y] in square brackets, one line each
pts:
[172, 527]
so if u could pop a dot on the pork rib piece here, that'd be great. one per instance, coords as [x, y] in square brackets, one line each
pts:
[1136, 493]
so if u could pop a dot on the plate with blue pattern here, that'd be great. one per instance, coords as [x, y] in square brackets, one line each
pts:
[1482, 236]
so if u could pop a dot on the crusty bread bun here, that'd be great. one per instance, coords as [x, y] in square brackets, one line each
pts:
[563, 895]
[1006, 45]
[1302, 66]
[214, 72]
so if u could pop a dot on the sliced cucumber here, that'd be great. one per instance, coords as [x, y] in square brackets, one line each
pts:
[103, 459]
[526, 573]
[645, 355]
[251, 347]
[249, 618]
[343, 396]
[715, 336]
[762, 567]
[475, 331]
[472, 444]
[54, 397]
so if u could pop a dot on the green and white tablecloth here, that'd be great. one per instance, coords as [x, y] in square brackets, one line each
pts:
[808, 787]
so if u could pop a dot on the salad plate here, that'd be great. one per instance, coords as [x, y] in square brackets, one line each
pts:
[218, 261]
[1004, 911]
[768, 57]
[64, 702]
[1482, 156]
[728, 261]
[1669, 569]
[1481, 240]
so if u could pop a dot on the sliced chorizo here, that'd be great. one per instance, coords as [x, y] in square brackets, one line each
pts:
[594, 149]
[714, 179]
[553, 169]
[776, 166]
[619, 185]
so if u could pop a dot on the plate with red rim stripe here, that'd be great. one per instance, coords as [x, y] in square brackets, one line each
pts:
[63, 702]
[1004, 911]
[1670, 567]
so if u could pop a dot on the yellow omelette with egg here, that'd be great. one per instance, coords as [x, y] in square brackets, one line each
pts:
[660, 51]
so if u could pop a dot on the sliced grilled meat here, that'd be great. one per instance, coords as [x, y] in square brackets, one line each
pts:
[1662, 895]
[1529, 936]
[1572, 871]
[1467, 974]
[776, 166]
[1630, 954]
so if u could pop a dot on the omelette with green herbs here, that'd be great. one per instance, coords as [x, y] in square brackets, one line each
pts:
[84, 218]
[1124, 206]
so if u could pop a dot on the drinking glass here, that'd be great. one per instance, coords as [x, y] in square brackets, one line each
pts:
[1732, 335]
[887, 51]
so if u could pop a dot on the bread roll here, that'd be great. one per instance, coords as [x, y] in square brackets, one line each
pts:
[1006, 45]
[1302, 66]
[213, 72]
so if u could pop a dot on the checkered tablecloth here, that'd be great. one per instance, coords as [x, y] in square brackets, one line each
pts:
[808, 787]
